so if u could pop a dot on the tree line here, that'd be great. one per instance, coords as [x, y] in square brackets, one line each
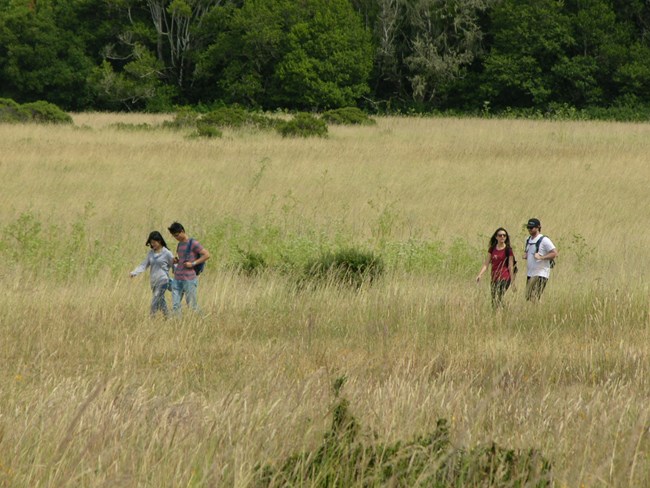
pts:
[381, 55]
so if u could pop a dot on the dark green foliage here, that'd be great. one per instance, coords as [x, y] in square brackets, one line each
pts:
[184, 118]
[348, 458]
[347, 116]
[303, 125]
[131, 127]
[46, 112]
[207, 130]
[39, 112]
[251, 262]
[304, 55]
[11, 111]
[349, 266]
[39, 58]
[478, 57]
[236, 117]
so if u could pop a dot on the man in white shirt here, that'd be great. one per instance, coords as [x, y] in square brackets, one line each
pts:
[540, 251]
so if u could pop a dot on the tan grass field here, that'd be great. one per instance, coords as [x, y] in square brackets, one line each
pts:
[94, 393]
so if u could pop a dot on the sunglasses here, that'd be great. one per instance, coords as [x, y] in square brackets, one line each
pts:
[502, 235]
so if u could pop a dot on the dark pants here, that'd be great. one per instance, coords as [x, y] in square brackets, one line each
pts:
[498, 288]
[535, 287]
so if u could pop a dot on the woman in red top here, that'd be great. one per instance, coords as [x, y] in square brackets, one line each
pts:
[502, 259]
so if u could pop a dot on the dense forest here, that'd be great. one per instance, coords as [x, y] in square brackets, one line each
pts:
[386, 56]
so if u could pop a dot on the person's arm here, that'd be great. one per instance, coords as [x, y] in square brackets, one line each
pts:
[169, 258]
[550, 254]
[204, 255]
[484, 267]
[140, 269]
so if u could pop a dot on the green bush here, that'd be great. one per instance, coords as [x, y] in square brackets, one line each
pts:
[185, 117]
[206, 130]
[347, 116]
[347, 458]
[46, 112]
[236, 117]
[11, 111]
[40, 111]
[232, 117]
[131, 127]
[303, 125]
[347, 266]
[251, 263]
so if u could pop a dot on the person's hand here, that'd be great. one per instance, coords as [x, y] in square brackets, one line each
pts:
[188, 264]
[175, 259]
[513, 287]
[537, 256]
[478, 279]
[132, 275]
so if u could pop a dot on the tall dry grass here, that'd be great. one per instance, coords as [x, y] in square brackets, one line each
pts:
[94, 393]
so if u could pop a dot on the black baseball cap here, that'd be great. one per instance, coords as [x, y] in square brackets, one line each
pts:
[533, 223]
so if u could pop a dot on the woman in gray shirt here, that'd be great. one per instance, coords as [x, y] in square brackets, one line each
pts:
[160, 260]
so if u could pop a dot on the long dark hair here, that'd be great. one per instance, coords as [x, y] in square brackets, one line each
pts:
[155, 236]
[494, 240]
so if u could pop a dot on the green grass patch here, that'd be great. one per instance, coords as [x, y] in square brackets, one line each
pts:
[346, 457]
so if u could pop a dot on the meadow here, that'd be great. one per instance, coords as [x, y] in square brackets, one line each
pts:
[93, 392]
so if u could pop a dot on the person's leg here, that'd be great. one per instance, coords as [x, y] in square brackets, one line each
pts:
[498, 290]
[541, 285]
[534, 287]
[177, 296]
[158, 300]
[191, 294]
[163, 300]
[494, 292]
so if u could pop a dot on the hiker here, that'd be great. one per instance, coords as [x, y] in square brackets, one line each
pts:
[190, 254]
[502, 260]
[159, 260]
[540, 253]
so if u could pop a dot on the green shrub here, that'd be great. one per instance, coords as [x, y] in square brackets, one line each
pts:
[347, 116]
[11, 111]
[251, 263]
[303, 125]
[40, 111]
[185, 117]
[226, 117]
[236, 117]
[346, 266]
[131, 127]
[346, 458]
[206, 130]
[46, 112]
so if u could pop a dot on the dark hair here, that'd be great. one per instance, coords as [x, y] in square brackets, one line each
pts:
[175, 228]
[494, 241]
[155, 236]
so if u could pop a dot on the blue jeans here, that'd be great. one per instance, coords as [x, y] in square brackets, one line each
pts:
[187, 288]
[158, 301]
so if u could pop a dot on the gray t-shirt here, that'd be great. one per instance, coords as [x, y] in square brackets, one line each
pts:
[160, 264]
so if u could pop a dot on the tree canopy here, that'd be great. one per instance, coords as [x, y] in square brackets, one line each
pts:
[424, 55]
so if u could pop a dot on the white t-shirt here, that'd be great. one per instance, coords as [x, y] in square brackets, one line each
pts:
[538, 267]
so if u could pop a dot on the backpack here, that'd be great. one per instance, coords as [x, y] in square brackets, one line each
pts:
[537, 244]
[198, 269]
